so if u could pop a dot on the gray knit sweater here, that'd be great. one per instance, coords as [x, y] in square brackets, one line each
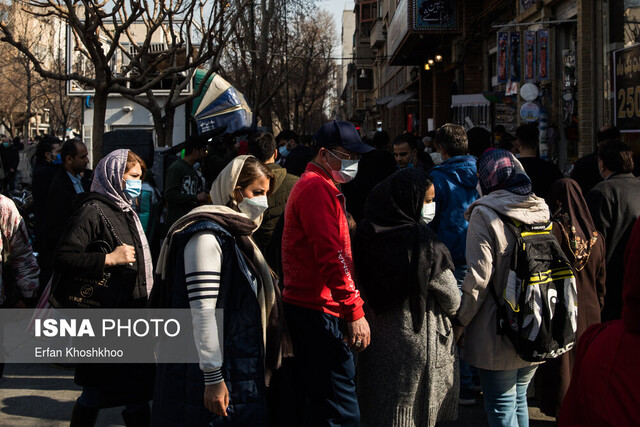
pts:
[406, 379]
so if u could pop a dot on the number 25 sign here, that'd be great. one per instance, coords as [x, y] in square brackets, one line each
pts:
[626, 76]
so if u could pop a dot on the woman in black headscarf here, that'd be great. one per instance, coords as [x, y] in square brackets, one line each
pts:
[408, 374]
[585, 249]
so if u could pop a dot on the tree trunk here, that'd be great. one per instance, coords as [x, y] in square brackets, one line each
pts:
[169, 121]
[99, 115]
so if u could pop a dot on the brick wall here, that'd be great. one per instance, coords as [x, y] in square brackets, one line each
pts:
[442, 97]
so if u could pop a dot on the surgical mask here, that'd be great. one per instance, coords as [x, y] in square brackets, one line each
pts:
[284, 151]
[254, 207]
[6, 144]
[348, 170]
[132, 188]
[57, 160]
[429, 212]
[436, 157]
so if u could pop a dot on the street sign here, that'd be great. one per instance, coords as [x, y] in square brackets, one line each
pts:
[626, 84]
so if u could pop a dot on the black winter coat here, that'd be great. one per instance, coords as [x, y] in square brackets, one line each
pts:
[43, 175]
[60, 204]
[133, 382]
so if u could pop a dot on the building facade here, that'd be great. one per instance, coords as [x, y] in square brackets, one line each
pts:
[467, 61]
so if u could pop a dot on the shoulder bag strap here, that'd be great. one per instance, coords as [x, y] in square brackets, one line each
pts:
[107, 222]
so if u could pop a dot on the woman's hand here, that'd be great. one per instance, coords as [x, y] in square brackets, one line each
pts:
[122, 255]
[216, 398]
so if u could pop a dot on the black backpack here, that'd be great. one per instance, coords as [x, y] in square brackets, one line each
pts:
[538, 307]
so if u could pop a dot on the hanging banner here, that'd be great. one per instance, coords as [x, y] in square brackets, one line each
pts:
[626, 78]
[529, 56]
[543, 55]
[514, 57]
[502, 65]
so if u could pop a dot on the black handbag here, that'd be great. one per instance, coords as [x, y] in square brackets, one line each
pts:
[108, 289]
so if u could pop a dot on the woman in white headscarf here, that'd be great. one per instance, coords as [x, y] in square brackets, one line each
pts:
[210, 263]
[105, 216]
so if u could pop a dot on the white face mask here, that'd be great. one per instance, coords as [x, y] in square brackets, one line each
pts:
[436, 157]
[254, 207]
[429, 212]
[348, 170]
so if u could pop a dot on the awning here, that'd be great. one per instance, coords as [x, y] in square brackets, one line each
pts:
[472, 100]
[395, 100]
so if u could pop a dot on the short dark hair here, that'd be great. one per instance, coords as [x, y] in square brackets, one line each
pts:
[69, 148]
[479, 141]
[528, 135]
[45, 146]
[616, 156]
[381, 140]
[287, 135]
[452, 139]
[499, 128]
[195, 142]
[262, 145]
[406, 137]
[607, 133]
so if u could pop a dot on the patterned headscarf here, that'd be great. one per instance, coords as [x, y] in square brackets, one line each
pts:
[500, 170]
[107, 180]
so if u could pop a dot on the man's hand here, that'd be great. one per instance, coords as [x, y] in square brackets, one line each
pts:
[216, 398]
[202, 197]
[358, 334]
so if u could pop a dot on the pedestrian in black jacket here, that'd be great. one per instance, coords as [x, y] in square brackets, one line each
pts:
[66, 185]
[117, 181]
[615, 205]
[10, 159]
[48, 161]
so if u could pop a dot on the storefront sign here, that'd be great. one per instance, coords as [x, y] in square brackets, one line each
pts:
[514, 57]
[502, 65]
[435, 15]
[543, 55]
[626, 76]
[529, 56]
[529, 112]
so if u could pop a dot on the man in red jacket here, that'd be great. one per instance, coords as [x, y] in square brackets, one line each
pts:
[319, 291]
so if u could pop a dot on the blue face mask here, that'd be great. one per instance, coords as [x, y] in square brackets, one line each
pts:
[6, 144]
[284, 152]
[132, 188]
[57, 160]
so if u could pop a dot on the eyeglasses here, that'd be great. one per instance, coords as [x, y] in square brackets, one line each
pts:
[345, 156]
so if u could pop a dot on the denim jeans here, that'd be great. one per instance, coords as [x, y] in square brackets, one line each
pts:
[324, 369]
[505, 396]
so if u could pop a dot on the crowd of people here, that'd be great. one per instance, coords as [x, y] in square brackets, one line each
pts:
[343, 282]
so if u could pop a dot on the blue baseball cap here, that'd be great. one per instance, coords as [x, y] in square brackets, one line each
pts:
[341, 134]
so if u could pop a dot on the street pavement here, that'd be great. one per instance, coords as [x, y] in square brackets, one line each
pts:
[43, 396]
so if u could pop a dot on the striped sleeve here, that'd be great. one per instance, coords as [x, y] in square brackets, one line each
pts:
[202, 263]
